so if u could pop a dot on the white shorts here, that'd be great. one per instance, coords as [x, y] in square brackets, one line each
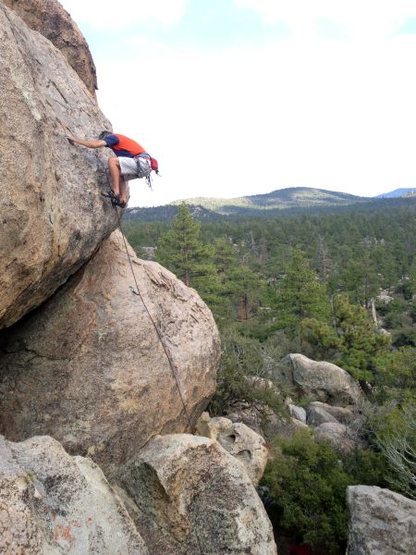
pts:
[128, 167]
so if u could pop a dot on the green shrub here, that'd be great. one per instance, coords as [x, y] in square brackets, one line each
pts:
[242, 359]
[306, 486]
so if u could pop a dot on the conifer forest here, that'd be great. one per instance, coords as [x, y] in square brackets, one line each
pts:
[335, 286]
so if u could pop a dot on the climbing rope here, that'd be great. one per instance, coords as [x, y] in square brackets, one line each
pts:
[172, 365]
[137, 292]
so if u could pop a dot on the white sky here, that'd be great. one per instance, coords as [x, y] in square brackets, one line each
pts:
[238, 97]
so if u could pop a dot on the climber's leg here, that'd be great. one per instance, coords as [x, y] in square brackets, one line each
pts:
[115, 172]
[123, 190]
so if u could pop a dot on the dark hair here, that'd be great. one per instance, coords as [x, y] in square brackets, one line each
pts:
[104, 134]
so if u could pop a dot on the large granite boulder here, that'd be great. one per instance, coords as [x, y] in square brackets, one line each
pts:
[89, 369]
[381, 522]
[52, 215]
[188, 495]
[50, 19]
[323, 381]
[239, 440]
[53, 503]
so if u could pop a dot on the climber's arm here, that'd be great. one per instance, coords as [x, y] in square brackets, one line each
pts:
[92, 143]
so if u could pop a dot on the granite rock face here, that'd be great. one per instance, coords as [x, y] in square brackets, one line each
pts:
[53, 503]
[188, 495]
[50, 19]
[381, 522]
[89, 369]
[323, 381]
[52, 215]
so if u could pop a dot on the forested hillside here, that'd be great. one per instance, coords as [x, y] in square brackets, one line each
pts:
[339, 287]
[288, 203]
[281, 199]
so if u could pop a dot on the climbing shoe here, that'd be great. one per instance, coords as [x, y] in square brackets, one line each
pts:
[115, 199]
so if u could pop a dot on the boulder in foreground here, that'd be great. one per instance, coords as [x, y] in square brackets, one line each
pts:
[88, 368]
[53, 503]
[381, 522]
[188, 495]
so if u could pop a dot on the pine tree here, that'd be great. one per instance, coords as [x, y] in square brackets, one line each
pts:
[182, 251]
[240, 286]
[360, 341]
[300, 294]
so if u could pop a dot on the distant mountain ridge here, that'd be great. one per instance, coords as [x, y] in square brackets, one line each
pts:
[281, 199]
[279, 203]
[397, 193]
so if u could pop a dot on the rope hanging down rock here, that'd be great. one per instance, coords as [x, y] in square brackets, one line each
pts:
[137, 292]
[172, 365]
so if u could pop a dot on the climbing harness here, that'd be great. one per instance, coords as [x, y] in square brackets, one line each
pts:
[144, 167]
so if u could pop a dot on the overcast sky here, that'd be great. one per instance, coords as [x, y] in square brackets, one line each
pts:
[238, 97]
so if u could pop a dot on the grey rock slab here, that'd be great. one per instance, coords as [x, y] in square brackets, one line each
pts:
[345, 415]
[315, 416]
[52, 503]
[382, 522]
[299, 413]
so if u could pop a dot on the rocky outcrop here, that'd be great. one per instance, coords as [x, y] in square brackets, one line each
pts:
[188, 495]
[239, 440]
[50, 19]
[52, 215]
[341, 414]
[88, 367]
[323, 381]
[53, 503]
[265, 421]
[381, 522]
[316, 416]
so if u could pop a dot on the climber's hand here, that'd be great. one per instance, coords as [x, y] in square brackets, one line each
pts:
[70, 141]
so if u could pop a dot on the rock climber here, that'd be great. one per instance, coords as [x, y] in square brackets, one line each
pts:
[131, 161]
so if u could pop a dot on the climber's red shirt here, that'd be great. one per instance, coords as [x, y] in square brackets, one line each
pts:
[123, 146]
